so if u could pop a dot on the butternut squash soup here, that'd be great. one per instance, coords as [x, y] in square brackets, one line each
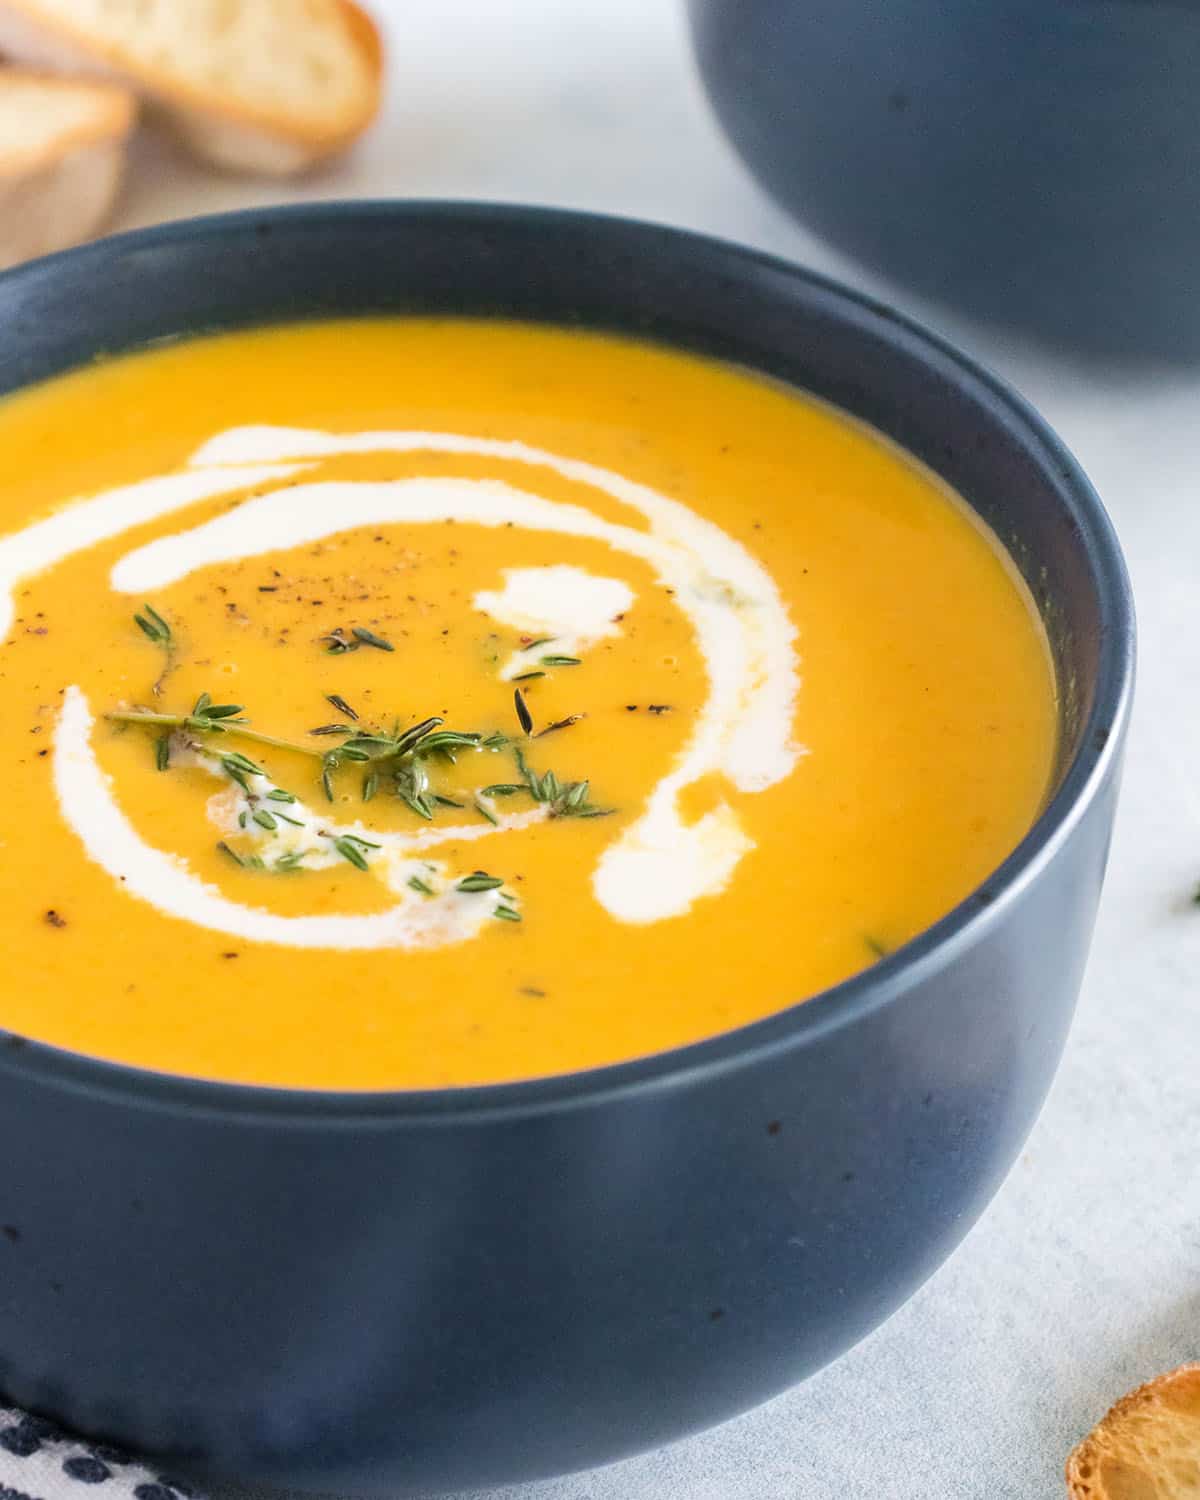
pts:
[411, 703]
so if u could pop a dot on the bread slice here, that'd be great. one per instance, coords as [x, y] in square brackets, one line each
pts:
[62, 153]
[1147, 1447]
[253, 85]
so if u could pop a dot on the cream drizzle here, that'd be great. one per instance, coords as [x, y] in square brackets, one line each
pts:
[658, 865]
[574, 608]
[81, 524]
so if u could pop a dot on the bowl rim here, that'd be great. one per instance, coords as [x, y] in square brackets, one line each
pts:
[830, 1009]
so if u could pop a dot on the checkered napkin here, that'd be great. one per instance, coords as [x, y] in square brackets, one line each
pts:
[40, 1462]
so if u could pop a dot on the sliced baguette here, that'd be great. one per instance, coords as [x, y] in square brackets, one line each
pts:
[1147, 1447]
[252, 85]
[62, 154]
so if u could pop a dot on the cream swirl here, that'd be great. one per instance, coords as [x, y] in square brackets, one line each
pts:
[658, 865]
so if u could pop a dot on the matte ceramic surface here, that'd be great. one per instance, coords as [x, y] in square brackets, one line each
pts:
[1036, 162]
[392, 1292]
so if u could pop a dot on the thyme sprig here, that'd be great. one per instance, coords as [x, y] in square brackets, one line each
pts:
[152, 624]
[397, 758]
[207, 717]
[156, 629]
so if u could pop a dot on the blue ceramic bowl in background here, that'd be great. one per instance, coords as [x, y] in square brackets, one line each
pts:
[392, 1292]
[1032, 162]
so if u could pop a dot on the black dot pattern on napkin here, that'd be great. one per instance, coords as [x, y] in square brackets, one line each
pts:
[87, 1468]
[20, 1441]
[32, 1449]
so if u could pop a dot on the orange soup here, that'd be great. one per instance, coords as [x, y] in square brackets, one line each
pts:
[411, 703]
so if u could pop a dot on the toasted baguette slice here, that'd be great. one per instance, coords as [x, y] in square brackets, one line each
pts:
[62, 153]
[1147, 1447]
[253, 85]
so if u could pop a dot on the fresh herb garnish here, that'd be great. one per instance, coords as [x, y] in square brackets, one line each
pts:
[566, 799]
[398, 754]
[208, 717]
[246, 861]
[328, 766]
[153, 625]
[348, 849]
[234, 772]
[369, 638]
[528, 676]
[337, 642]
[395, 759]
[242, 763]
[156, 629]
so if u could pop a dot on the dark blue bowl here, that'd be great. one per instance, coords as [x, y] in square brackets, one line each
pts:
[1033, 162]
[385, 1292]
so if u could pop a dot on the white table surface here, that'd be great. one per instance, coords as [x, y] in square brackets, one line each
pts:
[1083, 1277]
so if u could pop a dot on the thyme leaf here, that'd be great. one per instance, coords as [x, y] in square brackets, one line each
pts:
[156, 629]
[341, 705]
[369, 638]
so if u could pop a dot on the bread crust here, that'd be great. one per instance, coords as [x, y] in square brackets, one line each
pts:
[230, 132]
[114, 111]
[1147, 1447]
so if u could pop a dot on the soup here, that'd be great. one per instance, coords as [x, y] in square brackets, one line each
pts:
[412, 703]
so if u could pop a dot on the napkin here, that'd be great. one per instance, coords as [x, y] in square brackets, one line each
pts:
[38, 1461]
